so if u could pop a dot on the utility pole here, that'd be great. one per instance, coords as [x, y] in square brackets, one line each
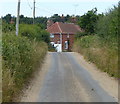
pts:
[34, 12]
[17, 19]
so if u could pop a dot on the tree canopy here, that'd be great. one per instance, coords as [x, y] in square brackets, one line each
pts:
[88, 20]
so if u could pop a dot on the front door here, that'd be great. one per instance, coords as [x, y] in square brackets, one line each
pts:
[66, 45]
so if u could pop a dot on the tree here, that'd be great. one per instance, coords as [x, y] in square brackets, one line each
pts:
[45, 36]
[107, 26]
[88, 21]
[67, 18]
[56, 18]
[7, 18]
[21, 16]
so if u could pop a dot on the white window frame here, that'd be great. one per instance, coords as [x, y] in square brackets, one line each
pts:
[68, 36]
[51, 35]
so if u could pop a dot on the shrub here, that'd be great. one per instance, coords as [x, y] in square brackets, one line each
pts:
[102, 55]
[43, 36]
[33, 32]
[107, 26]
[7, 27]
[51, 48]
[102, 48]
[20, 58]
[88, 21]
[80, 34]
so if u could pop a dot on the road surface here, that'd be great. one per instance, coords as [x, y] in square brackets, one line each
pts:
[67, 81]
[67, 77]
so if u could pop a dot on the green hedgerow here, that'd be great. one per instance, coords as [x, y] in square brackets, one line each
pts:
[20, 57]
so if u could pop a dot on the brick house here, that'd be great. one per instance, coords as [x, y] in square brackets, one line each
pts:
[62, 35]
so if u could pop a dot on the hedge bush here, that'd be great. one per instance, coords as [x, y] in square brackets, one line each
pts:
[107, 26]
[80, 34]
[102, 48]
[34, 32]
[21, 57]
[6, 27]
[102, 55]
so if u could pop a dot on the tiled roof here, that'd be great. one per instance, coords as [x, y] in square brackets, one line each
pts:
[60, 27]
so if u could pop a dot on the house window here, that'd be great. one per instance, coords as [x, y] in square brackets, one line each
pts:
[51, 35]
[68, 36]
[66, 44]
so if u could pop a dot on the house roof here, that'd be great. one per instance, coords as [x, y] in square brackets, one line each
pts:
[60, 27]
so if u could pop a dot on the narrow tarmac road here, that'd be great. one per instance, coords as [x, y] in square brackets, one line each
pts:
[67, 81]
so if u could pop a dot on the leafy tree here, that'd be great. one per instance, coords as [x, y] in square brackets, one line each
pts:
[80, 34]
[7, 18]
[41, 21]
[34, 32]
[88, 21]
[44, 36]
[67, 18]
[107, 25]
[56, 18]
[21, 16]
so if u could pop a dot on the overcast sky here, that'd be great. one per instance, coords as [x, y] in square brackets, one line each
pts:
[50, 7]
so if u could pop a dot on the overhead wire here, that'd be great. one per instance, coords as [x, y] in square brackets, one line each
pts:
[44, 10]
[53, 11]
[29, 4]
[50, 11]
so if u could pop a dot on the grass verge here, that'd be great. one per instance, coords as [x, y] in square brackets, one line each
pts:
[103, 55]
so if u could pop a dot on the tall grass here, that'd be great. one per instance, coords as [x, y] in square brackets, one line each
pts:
[102, 48]
[102, 55]
[21, 57]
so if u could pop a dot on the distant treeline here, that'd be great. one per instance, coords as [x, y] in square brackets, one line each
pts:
[9, 19]
[42, 21]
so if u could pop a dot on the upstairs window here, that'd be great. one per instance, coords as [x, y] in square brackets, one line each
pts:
[68, 36]
[51, 35]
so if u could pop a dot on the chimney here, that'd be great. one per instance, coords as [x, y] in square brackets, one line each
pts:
[49, 23]
[62, 18]
[73, 19]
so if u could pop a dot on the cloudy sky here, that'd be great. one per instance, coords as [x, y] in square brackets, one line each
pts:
[50, 7]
